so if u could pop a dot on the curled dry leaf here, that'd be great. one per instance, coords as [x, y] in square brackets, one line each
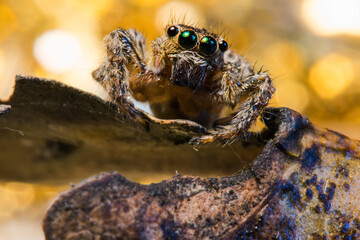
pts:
[59, 133]
[297, 181]
[304, 185]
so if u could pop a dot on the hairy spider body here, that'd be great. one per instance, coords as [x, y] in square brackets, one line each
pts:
[188, 74]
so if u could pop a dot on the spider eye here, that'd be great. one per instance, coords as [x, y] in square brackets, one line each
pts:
[172, 31]
[187, 39]
[223, 45]
[208, 45]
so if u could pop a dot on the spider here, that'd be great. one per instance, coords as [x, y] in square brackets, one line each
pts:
[188, 73]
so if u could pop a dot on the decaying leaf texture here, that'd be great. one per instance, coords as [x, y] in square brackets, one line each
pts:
[298, 181]
[54, 132]
[304, 185]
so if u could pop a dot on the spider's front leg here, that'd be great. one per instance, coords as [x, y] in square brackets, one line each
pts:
[124, 57]
[250, 94]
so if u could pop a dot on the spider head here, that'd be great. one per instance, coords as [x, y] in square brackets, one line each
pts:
[188, 55]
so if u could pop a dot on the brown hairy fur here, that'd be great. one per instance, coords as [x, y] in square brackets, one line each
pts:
[184, 82]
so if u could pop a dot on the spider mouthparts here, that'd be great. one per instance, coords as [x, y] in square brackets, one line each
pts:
[158, 63]
[155, 70]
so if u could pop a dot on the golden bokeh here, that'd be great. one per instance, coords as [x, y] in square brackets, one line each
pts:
[292, 94]
[8, 22]
[147, 3]
[6, 206]
[331, 75]
[332, 17]
[353, 116]
[2, 63]
[21, 195]
[284, 59]
[15, 196]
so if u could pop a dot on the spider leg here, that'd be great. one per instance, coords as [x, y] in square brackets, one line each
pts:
[257, 89]
[125, 55]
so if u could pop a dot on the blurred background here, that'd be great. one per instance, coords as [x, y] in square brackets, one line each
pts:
[311, 48]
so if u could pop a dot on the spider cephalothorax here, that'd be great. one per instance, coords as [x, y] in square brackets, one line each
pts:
[193, 56]
[189, 73]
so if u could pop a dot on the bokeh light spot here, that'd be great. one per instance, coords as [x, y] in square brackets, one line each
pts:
[147, 3]
[329, 17]
[2, 62]
[8, 23]
[284, 57]
[6, 205]
[21, 194]
[331, 75]
[57, 51]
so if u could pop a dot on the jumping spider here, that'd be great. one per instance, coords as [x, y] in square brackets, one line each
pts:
[189, 73]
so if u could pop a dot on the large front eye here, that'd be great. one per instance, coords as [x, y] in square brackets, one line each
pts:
[172, 31]
[208, 45]
[187, 39]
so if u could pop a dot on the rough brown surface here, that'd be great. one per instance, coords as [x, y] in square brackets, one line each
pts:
[57, 133]
[304, 185]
